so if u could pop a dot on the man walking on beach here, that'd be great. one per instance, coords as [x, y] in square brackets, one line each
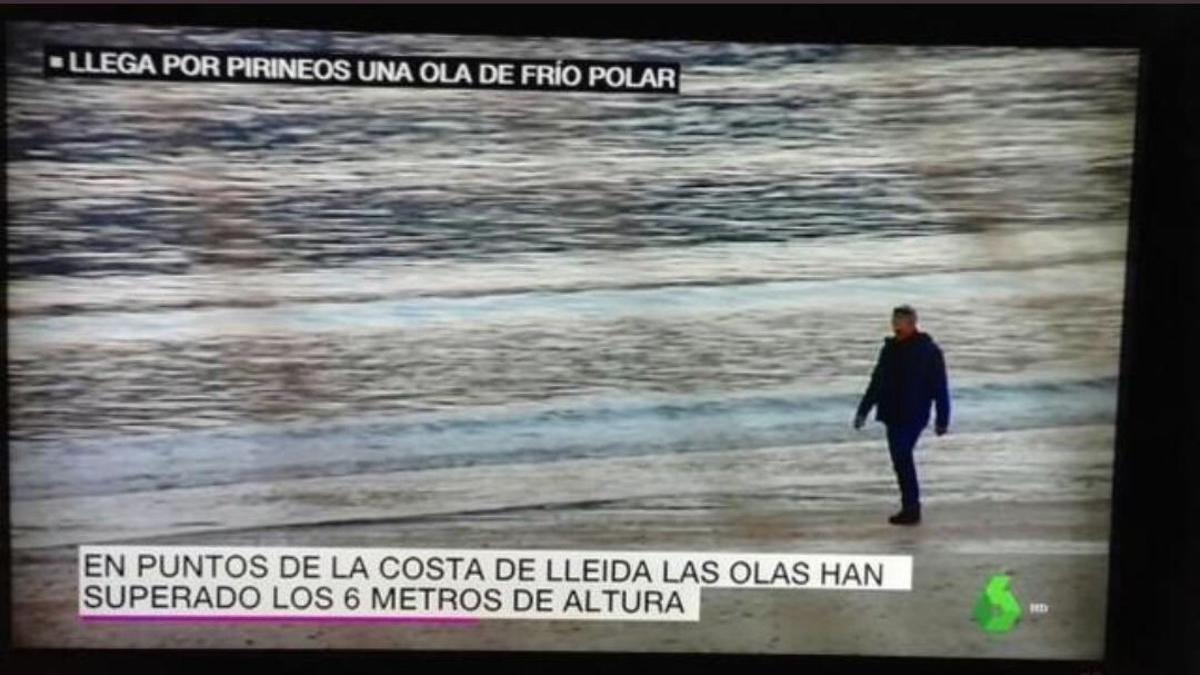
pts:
[909, 376]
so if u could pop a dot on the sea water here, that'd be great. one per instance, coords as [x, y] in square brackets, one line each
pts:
[213, 284]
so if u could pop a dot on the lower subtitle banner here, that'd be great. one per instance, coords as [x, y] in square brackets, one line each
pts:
[445, 585]
[368, 70]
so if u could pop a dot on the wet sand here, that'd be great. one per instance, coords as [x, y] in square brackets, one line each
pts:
[1061, 464]
[766, 500]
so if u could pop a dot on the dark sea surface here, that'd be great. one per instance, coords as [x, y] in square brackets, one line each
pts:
[218, 283]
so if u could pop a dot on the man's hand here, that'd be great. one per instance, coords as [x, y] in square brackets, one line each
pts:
[940, 430]
[859, 420]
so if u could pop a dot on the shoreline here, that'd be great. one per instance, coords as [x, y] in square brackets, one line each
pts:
[1070, 463]
[1040, 516]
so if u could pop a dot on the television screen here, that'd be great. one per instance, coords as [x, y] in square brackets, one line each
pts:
[439, 342]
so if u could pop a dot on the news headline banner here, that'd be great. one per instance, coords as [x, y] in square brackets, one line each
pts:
[444, 585]
[452, 72]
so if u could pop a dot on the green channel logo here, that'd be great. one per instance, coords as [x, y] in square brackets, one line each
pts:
[997, 609]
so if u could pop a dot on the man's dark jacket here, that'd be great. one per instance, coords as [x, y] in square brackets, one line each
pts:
[909, 376]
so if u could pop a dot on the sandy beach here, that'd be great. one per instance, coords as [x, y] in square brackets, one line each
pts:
[767, 500]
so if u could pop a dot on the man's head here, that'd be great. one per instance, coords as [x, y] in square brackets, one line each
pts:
[904, 322]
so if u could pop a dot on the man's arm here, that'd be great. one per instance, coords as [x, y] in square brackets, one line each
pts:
[871, 396]
[941, 392]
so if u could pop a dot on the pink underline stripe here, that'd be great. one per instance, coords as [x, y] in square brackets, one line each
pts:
[224, 618]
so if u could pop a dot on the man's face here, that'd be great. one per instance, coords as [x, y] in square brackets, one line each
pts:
[903, 325]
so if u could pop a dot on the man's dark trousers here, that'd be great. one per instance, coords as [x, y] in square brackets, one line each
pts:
[902, 440]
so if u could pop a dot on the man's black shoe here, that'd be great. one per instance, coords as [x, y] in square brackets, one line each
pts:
[906, 517]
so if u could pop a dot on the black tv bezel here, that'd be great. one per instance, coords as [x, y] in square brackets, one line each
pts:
[1152, 623]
